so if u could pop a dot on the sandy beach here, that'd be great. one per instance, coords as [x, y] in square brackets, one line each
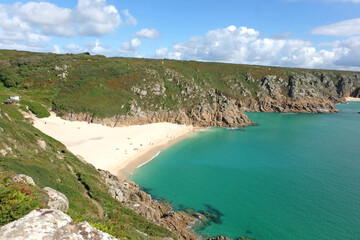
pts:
[352, 99]
[119, 150]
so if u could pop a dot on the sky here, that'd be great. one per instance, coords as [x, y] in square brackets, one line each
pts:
[292, 33]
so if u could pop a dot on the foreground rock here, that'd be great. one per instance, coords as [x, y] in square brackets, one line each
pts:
[57, 200]
[50, 224]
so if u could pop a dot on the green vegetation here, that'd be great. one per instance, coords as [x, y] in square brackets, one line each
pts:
[57, 168]
[36, 108]
[105, 87]
[18, 198]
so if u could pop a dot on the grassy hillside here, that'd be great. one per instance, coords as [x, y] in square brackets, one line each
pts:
[55, 167]
[106, 87]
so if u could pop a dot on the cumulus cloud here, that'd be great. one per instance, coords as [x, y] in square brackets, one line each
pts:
[49, 18]
[244, 45]
[130, 47]
[30, 26]
[88, 18]
[148, 33]
[96, 17]
[344, 28]
[17, 34]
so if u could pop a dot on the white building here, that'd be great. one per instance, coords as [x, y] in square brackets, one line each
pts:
[15, 98]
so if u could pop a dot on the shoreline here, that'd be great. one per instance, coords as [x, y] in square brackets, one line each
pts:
[352, 99]
[119, 150]
[125, 172]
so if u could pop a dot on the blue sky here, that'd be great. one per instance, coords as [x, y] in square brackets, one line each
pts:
[294, 33]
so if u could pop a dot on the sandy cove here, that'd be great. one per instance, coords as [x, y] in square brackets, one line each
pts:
[352, 99]
[119, 150]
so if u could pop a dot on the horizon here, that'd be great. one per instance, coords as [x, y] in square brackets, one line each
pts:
[265, 33]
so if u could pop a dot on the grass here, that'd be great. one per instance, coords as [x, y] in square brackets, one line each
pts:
[36, 108]
[57, 168]
[102, 86]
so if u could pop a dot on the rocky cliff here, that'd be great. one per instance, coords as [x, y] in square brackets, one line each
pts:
[302, 93]
[130, 194]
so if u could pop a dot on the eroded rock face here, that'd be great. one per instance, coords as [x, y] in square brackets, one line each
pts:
[142, 203]
[46, 224]
[222, 112]
[57, 200]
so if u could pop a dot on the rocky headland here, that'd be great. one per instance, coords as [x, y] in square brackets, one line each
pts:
[308, 93]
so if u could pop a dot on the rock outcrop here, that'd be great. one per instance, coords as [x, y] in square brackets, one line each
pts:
[44, 224]
[131, 196]
[57, 200]
[221, 112]
[23, 178]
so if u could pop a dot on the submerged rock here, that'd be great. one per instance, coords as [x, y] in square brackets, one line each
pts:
[52, 224]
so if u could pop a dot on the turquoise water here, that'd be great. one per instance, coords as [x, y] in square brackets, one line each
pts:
[294, 176]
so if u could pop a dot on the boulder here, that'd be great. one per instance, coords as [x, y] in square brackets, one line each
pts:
[52, 224]
[23, 178]
[57, 200]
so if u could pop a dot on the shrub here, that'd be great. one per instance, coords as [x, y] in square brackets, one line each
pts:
[18, 199]
[9, 78]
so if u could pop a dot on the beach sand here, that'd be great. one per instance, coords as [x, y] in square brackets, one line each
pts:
[119, 150]
[352, 99]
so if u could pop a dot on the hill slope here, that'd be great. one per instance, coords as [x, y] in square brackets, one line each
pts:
[127, 90]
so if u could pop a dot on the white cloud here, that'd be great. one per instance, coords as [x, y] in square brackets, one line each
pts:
[130, 47]
[88, 18]
[96, 17]
[148, 33]
[161, 53]
[130, 19]
[244, 45]
[51, 19]
[97, 48]
[344, 28]
[18, 34]
[56, 49]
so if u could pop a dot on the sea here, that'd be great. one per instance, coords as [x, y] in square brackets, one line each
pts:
[290, 177]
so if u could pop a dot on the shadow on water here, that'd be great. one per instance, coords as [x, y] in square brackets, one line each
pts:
[208, 216]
